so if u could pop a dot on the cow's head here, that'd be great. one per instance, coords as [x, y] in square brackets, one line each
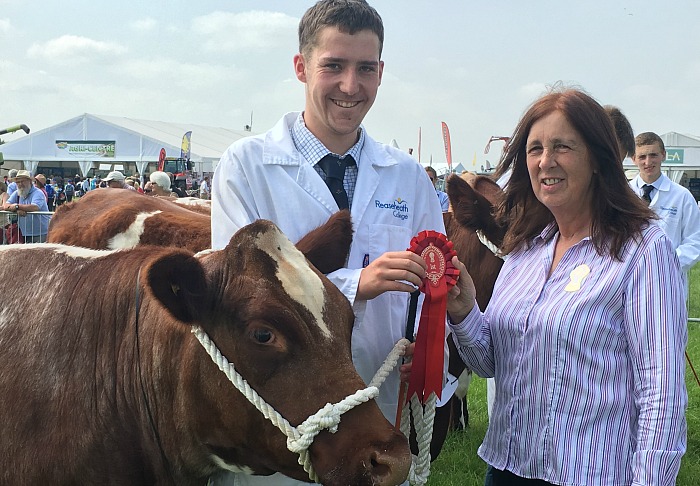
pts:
[473, 199]
[287, 330]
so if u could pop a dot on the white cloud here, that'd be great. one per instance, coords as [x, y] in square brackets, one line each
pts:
[74, 48]
[144, 25]
[254, 30]
[5, 25]
[532, 91]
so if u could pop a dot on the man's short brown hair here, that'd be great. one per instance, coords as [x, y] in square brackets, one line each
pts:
[349, 16]
[649, 138]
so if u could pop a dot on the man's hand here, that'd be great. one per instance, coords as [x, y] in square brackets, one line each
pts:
[461, 298]
[405, 368]
[401, 271]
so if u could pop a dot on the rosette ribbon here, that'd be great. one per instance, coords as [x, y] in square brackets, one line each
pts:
[429, 355]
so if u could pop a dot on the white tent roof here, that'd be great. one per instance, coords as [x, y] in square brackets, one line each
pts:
[675, 139]
[135, 140]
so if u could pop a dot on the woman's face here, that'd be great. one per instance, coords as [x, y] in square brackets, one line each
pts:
[559, 165]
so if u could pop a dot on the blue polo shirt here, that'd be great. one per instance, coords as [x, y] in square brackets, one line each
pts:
[32, 224]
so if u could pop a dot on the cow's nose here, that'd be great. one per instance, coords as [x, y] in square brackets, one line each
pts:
[388, 468]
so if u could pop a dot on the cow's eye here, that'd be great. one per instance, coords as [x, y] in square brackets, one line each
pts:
[263, 336]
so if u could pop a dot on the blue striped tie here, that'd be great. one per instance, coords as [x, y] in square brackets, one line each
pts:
[334, 169]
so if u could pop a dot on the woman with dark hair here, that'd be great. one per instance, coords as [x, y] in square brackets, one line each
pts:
[586, 330]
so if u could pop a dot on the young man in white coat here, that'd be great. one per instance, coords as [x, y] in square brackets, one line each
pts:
[277, 176]
[676, 207]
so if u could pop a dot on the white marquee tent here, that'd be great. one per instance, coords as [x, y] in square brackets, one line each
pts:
[112, 143]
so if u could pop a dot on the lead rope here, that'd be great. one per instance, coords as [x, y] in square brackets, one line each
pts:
[300, 438]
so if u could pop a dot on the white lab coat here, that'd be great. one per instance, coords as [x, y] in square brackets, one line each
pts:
[266, 177]
[679, 217]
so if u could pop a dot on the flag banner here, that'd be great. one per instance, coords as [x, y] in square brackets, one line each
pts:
[185, 149]
[448, 145]
[419, 140]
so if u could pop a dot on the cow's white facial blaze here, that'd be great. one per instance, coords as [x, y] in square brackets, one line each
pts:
[131, 237]
[293, 270]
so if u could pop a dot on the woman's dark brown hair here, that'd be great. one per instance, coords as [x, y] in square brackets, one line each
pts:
[618, 213]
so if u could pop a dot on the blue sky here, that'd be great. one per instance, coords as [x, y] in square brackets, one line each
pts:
[474, 65]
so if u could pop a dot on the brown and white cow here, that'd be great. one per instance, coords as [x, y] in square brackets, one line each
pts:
[103, 381]
[117, 218]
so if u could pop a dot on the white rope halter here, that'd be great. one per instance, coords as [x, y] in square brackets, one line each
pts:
[488, 244]
[300, 438]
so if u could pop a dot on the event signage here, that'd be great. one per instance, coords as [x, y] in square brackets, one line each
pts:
[87, 148]
[674, 156]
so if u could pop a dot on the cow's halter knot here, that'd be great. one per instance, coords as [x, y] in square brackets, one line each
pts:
[300, 438]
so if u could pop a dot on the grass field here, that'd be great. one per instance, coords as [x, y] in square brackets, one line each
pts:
[459, 465]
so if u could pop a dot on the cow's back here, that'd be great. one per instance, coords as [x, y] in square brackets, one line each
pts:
[120, 218]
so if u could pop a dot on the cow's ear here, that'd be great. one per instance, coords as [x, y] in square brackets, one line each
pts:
[489, 189]
[178, 281]
[327, 247]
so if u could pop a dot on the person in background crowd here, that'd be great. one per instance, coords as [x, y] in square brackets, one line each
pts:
[623, 131]
[173, 187]
[160, 184]
[442, 197]
[78, 184]
[4, 218]
[674, 204]
[148, 188]
[40, 183]
[85, 186]
[69, 189]
[12, 186]
[130, 183]
[586, 330]
[115, 180]
[204, 189]
[284, 176]
[25, 200]
[51, 194]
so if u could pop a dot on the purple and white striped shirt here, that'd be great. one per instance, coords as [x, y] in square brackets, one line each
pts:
[590, 381]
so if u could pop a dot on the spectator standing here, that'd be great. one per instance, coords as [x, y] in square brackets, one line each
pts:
[161, 184]
[40, 183]
[69, 189]
[204, 189]
[174, 188]
[12, 186]
[4, 218]
[674, 204]
[25, 200]
[284, 176]
[442, 196]
[51, 194]
[115, 180]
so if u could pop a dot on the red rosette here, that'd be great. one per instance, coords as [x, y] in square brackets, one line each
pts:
[429, 355]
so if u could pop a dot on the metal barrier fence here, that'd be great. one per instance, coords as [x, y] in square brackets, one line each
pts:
[24, 227]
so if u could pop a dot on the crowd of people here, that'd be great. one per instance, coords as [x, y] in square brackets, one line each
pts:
[586, 330]
[33, 198]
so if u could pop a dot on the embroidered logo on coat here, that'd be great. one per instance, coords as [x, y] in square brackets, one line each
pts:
[673, 210]
[398, 207]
